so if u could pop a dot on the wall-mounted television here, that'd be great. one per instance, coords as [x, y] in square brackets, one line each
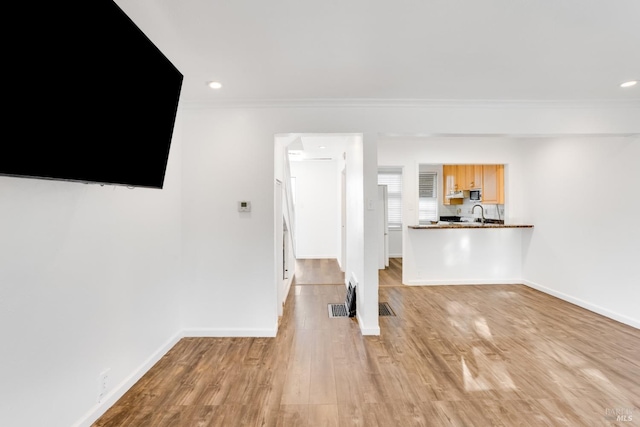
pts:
[90, 98]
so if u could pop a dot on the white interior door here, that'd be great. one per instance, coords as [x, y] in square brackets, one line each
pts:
[383, 228]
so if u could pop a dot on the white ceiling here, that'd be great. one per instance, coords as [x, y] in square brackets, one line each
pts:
[397, 49]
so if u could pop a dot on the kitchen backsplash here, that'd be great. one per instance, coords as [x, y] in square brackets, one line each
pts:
[464, 210]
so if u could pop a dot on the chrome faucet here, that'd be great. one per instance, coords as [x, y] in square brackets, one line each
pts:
[481, 211]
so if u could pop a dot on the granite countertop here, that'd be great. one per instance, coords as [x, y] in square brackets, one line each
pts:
[466, 225]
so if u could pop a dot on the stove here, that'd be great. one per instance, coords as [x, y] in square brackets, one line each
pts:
[450, 218]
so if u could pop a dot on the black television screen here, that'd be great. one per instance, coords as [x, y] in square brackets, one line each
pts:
[90, 97]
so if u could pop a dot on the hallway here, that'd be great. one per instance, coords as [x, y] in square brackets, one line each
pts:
[318, 272]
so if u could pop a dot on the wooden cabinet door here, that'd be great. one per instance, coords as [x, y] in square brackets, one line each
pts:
[501, 184]
[474, 176]
[490, 184]
[448, 182]
[468, 177]
[462, 181]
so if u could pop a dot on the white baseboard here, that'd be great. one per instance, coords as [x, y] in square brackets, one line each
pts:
[462, 282]
[100, 408]
[234, 332]
[110, 399]
[367, 331]
[584, 304]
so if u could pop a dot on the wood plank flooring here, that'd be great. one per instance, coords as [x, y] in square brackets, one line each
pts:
[503, 355]
[318, 272]
[392, 275]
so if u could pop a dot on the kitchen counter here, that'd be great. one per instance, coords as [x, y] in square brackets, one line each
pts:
[466, 225]
[458, 254]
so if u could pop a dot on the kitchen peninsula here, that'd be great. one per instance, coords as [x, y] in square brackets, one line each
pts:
[465, 253]
[466, 225]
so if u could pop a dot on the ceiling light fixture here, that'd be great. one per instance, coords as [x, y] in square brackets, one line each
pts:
[629, 83]
[214, 85]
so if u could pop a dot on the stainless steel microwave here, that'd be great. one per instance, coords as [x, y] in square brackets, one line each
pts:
[475, 195]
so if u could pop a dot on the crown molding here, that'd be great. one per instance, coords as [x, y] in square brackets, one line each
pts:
[411, 103]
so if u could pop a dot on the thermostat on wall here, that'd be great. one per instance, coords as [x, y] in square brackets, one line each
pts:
[244, 206]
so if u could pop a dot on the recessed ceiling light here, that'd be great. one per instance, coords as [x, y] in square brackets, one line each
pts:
[214, 85]
[629, 83]
[322, 147]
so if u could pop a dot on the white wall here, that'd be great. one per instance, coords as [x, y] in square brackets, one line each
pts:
[317, 209]
[362, 179]
[581, 249]
[229, 256]
[395, 243]
[89, 278]
[89, 274]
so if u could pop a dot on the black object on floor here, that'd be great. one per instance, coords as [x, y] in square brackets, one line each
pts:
[350, 302]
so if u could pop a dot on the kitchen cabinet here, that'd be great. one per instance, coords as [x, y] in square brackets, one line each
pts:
[493, 184]
[501, 184]
[448, 179]
[467, 177]
[450, 183]
[488, 178]
[461, 176]
[474, 177]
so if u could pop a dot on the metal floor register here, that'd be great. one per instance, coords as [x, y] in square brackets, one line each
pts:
[340, 310]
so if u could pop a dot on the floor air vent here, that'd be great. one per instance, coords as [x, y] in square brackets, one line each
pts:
[384, 309]
[337, 310]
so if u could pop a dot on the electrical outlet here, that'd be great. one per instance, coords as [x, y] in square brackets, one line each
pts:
[103, 384]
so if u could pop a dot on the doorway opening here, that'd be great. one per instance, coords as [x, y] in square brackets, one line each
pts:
[321, 200]
[390, 220]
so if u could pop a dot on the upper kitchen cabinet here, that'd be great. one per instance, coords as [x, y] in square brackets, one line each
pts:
[493, 184]
[488, 178]
[450, 183]
[462, 177]
[474, 177]
[469, 177]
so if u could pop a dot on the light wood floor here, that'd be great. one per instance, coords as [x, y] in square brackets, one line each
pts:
[327, 272]
[318, 272]
[392, 275]
[502, 355]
